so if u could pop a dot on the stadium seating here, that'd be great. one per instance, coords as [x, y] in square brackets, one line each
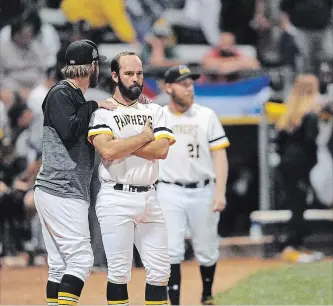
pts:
[187, 53]
[282, 216]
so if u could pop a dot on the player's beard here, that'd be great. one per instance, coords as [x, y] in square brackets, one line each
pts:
[93, 79]
[131, 93]
[180, 102]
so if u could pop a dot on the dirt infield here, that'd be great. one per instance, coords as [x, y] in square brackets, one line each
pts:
[27, 286]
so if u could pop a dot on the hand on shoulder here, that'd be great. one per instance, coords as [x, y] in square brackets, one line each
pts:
[144, 100]
[107, 104]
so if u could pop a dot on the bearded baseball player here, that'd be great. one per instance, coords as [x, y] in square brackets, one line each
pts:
[127, 207]
[192, 180]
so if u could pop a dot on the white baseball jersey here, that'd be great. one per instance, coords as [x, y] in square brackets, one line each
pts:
[198, 132]
[123, 122]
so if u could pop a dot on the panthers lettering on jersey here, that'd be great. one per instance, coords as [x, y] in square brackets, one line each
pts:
[123, 122]
[198, 132]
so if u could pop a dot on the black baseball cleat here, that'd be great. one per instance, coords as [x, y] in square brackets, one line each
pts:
[207, 300]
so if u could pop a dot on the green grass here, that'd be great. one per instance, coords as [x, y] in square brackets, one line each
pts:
[298, 284]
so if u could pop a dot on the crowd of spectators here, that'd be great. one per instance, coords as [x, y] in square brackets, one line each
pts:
[297, 34]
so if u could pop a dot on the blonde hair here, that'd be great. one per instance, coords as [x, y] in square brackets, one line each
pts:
[302, 100]
[77, 71]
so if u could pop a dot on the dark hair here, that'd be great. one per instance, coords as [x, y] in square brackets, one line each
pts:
[30, 17]
[34, 19]
[16, 25]
[15, 112]
[51, 72]
[115, 67]
[328, 108]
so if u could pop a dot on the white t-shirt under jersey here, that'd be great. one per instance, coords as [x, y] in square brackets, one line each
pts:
[123, 122]
[198, 132]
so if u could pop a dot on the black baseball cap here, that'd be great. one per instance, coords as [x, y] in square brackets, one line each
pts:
[101, 58]
[82, 52]
[178, 73]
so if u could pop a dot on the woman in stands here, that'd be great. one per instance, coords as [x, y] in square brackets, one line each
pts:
[296, 144]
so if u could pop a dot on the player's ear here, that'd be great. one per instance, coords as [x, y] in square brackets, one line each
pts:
[114, 76]
[168, 88]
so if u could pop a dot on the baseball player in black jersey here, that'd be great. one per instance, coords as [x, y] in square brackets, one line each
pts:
[63, 183]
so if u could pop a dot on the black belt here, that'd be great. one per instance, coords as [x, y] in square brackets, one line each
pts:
[134, 188]
[190, 185]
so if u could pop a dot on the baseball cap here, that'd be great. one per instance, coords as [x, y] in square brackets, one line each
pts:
[178, 73]
[82, 52]
[101, 58]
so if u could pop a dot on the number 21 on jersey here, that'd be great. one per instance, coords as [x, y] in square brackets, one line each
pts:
[193, 150]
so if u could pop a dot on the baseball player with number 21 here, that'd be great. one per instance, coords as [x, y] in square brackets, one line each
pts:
[127, 207]
[187, 190]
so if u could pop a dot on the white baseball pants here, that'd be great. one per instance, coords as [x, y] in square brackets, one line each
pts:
[128, 218]
[66, 235]
[193, 207]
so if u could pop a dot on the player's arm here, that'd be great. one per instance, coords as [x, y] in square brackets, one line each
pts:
[110, 148]
[221, 171]
[67, 121]
[218, 143]
[159, 148]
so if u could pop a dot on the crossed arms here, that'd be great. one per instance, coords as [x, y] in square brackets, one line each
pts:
[111, 149]
[142, 145]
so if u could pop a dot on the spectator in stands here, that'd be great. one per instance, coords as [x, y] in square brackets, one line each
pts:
[32, 143]
[309, 23]
[19, 215]
[266, 22]
[18, 173]
[143, 14]
[226, 59]
[276, 48]
[158, 49]
[101, 13]
[27, 122]
[20, 116]
[199, 14]
[4, 124]
[46, 35]
[321, 175]
[28, 148]
[35, 246]
[22, 62]
[236, 19]
[12, 192]
[296, 141]
[78, 31]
